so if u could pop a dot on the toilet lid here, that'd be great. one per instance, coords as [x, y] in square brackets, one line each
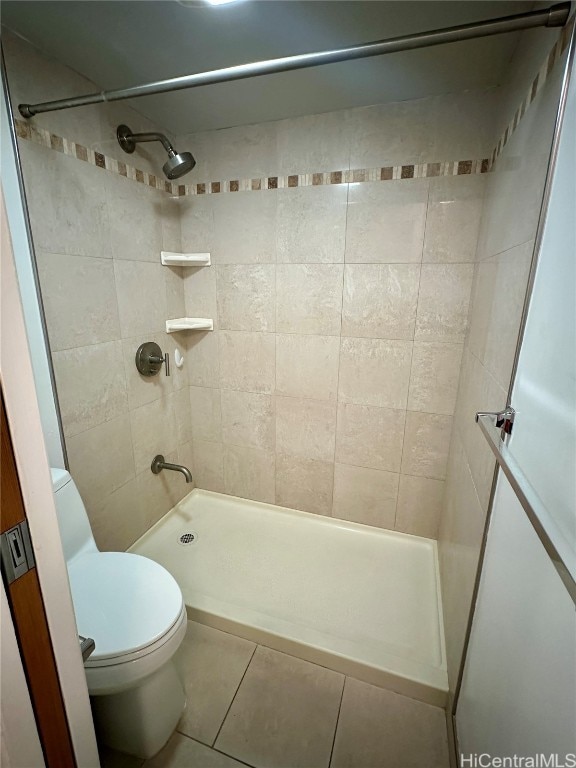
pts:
[124, 602]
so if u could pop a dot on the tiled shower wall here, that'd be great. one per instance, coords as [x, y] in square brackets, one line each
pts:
[340, 310]
[97, 239]
[513, 198]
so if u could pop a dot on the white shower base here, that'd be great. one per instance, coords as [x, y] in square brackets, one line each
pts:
[356, 599]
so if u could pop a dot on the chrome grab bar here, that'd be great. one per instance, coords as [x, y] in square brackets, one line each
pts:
[493, 425]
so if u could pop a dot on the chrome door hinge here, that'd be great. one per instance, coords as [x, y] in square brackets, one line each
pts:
[503, 420]
[17, 556]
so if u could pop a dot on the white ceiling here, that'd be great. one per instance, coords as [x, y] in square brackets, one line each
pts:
[127, 42]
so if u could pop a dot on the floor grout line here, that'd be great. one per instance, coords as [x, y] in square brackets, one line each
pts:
[234, 697]
[337, 721]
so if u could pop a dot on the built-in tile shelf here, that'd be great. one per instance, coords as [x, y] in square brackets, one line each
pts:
[189, 324]
[170, 259]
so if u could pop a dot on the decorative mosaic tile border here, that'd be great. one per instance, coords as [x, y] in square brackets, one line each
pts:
[30, 132]
[535, 87]
[44, 138]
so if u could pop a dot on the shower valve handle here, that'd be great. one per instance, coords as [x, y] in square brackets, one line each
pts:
[149, 359]
[160, 360]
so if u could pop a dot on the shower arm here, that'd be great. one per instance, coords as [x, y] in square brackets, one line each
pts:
[127, 139]
[554, 16]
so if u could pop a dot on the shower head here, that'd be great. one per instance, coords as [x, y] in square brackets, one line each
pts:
[177, 164]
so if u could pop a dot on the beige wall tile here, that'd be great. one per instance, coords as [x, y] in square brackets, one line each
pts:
[209, 465]
[206, 414]
[443, 302]
[249, 473]
[246, 297]
[426, 445]
[247, 361]
[304, 484]
[200, 293]
[197, 224]
[307, 366]
[101, 459]
[314, 143]
[478, 391]
[434, 377]
[135, 219]
[182, 415]
[305, 428]
[186, 457]
[202, 359]
[144, 389]
[367, 436]
[463, 123]
[35, 77]
[380, 300]
[140, 288]
[388, 134]
[495, 323]
[79, 299]
[365, 496]
[248, 419]
[419, 506]
[374, 372]
[171, 231]
[118, 519]
[159, 493]
[386, 221]
[245, 228]
[238, 152]
[174, 284]
[309, 298]
[154, 431]
[91, 385]
[312, 224]
[67, 203]
[453, 218]
[460, 539]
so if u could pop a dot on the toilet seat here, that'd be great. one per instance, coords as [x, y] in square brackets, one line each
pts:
[128, 604]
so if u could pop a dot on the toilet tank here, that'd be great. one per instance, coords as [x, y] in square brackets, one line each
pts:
[75, 530]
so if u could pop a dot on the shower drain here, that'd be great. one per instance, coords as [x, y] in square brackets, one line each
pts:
[187, 538]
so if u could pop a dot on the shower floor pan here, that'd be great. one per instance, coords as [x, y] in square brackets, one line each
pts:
[360, 600]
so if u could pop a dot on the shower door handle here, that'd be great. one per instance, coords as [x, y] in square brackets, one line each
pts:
[503, 420]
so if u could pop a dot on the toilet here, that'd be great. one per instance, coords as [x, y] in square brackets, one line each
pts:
[134, 611]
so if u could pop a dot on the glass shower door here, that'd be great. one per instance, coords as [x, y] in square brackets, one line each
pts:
[517, 696]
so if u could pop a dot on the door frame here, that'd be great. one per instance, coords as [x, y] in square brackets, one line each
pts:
[36, 488]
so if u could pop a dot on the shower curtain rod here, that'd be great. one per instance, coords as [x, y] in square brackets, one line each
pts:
[554, 16]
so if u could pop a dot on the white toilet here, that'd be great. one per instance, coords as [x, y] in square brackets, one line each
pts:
[133, 609]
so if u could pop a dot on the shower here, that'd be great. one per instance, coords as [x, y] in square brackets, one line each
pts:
[178, 163]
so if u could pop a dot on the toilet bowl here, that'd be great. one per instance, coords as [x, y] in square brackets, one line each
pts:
[133, 610]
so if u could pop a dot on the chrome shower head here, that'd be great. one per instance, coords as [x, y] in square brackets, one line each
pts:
[177, 164]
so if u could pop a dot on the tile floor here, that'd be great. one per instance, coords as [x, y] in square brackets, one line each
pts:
[251, 706]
